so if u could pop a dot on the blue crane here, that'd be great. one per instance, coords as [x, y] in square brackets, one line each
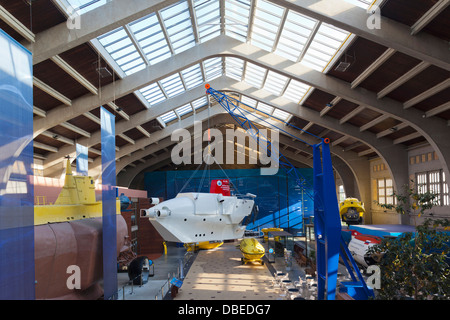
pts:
[327, 224]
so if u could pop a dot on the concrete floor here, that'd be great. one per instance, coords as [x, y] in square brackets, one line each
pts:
[164, 268]
[219, 274]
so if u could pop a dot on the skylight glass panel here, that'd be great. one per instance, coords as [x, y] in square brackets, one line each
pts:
[294, 36]
[119, 45]
[203, 101]
[207, 13]
[324, 46]
[213, 68]
[83, 6]
[365, 4]
[151, 39]
[153, 94]
[248, 101]
[177, 21]
[234, 68]
[275, 83]
[280, 114]
[264, 108]
[192, 76]
[237, 14]
[172, 85]
[296, 90]
[169, 116]
[184, 110]
[254, 75]
[265, 24]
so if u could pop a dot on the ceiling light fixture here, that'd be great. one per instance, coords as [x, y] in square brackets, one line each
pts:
[344, 65]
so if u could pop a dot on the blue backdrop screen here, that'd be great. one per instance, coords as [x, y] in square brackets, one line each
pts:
[282, 202]
[16, 175]
[109, 223]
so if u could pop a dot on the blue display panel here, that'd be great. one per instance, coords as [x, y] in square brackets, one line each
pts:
[282, 203]
[82, 160]
[17, 275]
[108, 141]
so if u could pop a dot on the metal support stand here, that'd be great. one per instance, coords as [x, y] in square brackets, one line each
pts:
[327, 224]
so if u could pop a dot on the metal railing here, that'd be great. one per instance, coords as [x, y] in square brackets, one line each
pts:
[165, 288]
[179, 274]
[132, 281]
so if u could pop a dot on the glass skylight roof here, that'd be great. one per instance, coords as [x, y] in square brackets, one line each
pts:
[172, 85]
[295, 35]
[325, 44]
[178, 23]
[264, 108]
[184, 110]
[213, 68]
[280, 114]
[237, 13]
[169, 116]
[296, 90]
[83, 6]
[151, 39]
[275, 83]
[176, 28]
[248, 101]
[181, 111]
[207, 14]
[153, 94]
[365, 4]
[234, 68]
[119, 45]
[196, 104]
[254, 75]
[265, 24]
[268, 110]
[192, 76]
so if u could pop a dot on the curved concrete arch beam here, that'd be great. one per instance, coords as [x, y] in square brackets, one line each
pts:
[434, 129]
[358, 167]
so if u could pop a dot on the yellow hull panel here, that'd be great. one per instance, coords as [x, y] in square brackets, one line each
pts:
[68, 212]
[204, 245]
[267, 230]
[251, 249]
[75, 202]
[252, 257]
[351, 203]
[207, 245]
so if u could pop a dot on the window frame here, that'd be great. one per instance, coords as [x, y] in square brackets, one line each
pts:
[426, 182]
[385, 188]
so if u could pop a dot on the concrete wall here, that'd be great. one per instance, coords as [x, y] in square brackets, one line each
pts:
[379, 215]
[420, 159]
[423, 159]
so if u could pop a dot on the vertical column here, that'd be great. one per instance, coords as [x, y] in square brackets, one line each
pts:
[108, 142]
[82, 160]
[332, 222]
[17, 277]
[319, 222]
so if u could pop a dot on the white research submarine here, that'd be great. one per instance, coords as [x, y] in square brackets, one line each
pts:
[197, 217]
